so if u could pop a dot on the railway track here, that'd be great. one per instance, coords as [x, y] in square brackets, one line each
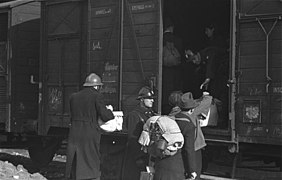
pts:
[245, 170]
[248, 169]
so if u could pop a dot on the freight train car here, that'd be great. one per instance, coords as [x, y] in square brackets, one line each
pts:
[19, 66]
[122, 41]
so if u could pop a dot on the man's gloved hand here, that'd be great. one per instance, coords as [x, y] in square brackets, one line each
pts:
[110, 107]
[191, 176]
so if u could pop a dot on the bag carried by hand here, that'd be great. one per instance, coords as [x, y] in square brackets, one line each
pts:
[146, 175]
[171, 56]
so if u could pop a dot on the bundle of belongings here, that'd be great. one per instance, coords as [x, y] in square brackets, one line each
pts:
[206, 110]
[113, 124]
[161, 136]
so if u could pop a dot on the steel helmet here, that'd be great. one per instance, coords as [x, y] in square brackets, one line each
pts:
[146, 93]
[93, 80]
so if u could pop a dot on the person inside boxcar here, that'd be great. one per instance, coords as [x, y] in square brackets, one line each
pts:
[214, 37]
[194, 139]
[191, 74]
[135, 159]
[86, 106]
[172, 58]
[213, 71]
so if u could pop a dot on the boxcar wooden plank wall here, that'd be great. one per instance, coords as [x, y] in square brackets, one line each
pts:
[260, 7]
[104, 47]
[139, 52]
[24, 38]
[64, 56]
[3, 70]
[141, 48]
[260, 52]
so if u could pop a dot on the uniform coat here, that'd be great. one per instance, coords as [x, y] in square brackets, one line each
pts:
[83, 156]
[135, 159]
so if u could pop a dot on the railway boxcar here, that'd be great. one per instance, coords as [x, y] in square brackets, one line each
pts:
[19, 65]
[122, 41]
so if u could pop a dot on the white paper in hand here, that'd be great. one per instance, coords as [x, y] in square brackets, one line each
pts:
[114, 124]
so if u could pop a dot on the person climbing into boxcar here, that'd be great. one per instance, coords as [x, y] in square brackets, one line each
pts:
[193, 137]
[86, 106]
[135, 159]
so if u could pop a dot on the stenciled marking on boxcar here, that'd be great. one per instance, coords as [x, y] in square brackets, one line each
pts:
[110, 67]
[259, 128]
[249, 130]
[277, 90]
[96, 45]
[254, 91]
[140, 7]
[252, 112]
[277, 132]
[110, 77]
[103, 11]
[2, 68]
[55, 98]
[21, 107]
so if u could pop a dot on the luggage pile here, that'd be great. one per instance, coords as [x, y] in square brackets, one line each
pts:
[10, 172]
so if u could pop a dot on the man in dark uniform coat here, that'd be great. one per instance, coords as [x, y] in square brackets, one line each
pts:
[135, 159]
[86, 106]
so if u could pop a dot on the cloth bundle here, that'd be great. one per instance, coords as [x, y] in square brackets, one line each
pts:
[114, 124]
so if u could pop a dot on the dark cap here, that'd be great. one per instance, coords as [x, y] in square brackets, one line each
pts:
[146, 93]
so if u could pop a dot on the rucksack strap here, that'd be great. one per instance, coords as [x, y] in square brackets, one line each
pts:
[188, 119]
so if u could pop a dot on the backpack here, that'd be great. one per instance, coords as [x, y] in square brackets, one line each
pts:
[161, 136]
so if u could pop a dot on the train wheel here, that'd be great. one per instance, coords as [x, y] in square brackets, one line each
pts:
[42, 150]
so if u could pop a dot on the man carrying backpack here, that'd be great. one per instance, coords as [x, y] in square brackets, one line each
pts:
[194, 139]
[163, 140]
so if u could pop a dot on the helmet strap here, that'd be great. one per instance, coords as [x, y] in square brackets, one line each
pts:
[97, 87]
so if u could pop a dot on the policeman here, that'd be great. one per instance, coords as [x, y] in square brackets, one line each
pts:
[136, 160]
[86, 106]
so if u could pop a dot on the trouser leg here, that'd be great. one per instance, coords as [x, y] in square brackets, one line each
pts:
[73, 169]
